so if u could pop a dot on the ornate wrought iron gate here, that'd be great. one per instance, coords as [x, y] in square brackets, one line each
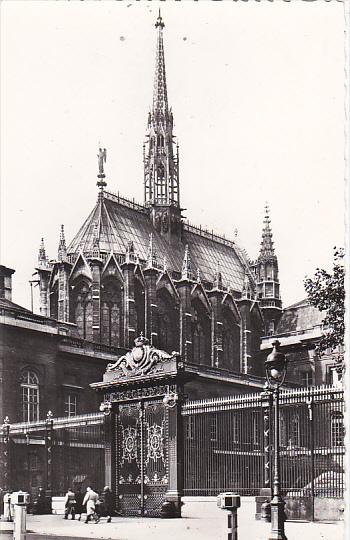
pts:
[141, 457]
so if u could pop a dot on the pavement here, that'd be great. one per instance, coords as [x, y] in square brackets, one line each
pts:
[202, 521]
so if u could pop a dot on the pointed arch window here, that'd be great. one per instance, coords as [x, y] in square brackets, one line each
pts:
[230, 342]
[168, 323]
[82, 309]
[198, 342]
[201, 335]
[30, 396]
[112, 316]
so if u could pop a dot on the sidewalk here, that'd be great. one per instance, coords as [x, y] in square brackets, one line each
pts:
[200, 520]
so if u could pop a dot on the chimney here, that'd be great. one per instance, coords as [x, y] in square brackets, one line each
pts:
[6, 282]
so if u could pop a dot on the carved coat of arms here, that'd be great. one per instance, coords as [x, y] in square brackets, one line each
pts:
[140, 360]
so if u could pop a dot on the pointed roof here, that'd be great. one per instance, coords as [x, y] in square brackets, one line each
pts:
[62, 248]
[121, 221]
[266, 249]
[42, 258]
[160, 95]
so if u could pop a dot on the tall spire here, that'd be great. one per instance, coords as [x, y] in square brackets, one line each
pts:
[161, 163]
[62, 248]
[266, 249]
[160, 96]
[267, 281]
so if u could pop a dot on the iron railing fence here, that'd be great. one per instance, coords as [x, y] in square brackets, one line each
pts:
[227, 444]
[55, 454]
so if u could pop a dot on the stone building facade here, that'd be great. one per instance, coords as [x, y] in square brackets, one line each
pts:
[43, 364]
[299, 331]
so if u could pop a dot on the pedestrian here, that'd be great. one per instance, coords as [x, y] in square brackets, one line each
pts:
[7, 506]
[79, 507]
[69, 504]
[106, 506]
[90, 499]
[40, 503]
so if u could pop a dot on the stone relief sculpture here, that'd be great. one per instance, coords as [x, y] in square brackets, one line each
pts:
[141, 359]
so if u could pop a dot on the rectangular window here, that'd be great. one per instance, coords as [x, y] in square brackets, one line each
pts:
[30, 404]
[307, 378]
[70, 405]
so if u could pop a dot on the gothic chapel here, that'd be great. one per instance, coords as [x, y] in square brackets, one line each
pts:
[141, 269]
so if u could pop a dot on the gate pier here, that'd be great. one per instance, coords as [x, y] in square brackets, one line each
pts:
[142, 395]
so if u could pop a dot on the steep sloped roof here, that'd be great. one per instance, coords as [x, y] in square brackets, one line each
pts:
[5, 303]
[299, 316]
[115, 222]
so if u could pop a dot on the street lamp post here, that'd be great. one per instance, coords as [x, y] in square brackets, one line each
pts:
[276, 369]
[6, 459]
[48, 442]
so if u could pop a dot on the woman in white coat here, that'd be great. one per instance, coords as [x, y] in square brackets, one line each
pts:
[90, 499]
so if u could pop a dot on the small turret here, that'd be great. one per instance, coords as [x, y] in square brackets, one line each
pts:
[266, 272]
[43, 262]
[62, 248]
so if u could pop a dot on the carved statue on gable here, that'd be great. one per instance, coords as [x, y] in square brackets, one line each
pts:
[102, 156]
[140, 360]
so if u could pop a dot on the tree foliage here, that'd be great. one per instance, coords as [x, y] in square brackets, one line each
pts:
[326, 292]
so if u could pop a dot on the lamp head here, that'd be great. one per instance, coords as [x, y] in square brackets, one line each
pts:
[276, 366]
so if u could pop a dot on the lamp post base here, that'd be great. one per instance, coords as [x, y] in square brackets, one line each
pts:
[277, 519]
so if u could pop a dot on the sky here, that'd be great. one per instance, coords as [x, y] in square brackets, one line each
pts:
[257, 92]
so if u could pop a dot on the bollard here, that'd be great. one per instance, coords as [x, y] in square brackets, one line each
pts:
[231, 502]
[20, 500]
[232, 525]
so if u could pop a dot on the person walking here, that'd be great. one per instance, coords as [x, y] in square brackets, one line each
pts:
[90, 499]
[7, 506]
[79, 507]
[105, 508]
[69, 504]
